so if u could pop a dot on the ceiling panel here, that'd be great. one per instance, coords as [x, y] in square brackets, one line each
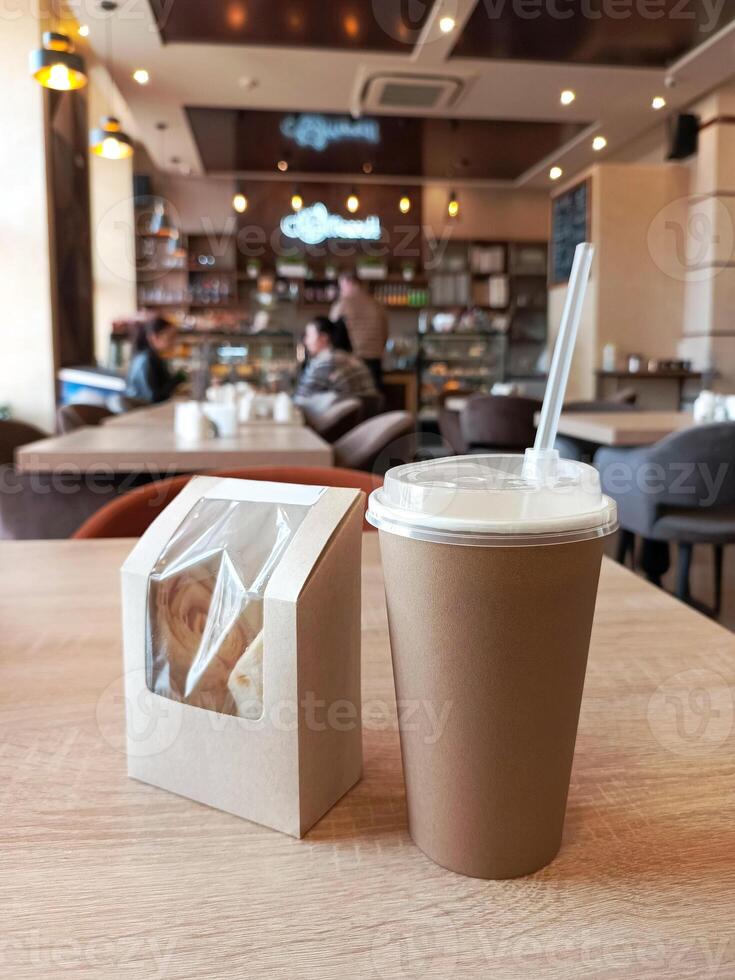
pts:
[235, 140]
[642, 33]
[361, 25]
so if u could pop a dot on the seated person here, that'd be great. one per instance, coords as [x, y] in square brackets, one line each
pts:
[149, 376]
[332, 368]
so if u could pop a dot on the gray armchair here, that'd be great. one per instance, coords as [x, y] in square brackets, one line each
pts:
[336, 420]
[681, 489]
[378, 443]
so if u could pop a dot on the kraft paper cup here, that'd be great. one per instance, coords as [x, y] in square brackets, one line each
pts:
[490, 619]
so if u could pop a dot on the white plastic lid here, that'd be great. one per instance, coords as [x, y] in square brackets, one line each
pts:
[493, 500]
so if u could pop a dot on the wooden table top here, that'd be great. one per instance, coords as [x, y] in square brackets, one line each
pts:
[108, 877]
[163, 415]
[623, 428]
[122, 449]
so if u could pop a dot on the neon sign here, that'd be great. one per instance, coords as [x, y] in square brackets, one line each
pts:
[317, 132]
[315, 224]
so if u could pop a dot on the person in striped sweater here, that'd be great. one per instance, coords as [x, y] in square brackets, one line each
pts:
[332, 367]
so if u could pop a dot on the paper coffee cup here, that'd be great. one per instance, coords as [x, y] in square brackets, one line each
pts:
[491, 580]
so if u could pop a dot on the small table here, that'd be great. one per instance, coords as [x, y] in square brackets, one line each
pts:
[107, 877]
[622, 428]
[158, 450]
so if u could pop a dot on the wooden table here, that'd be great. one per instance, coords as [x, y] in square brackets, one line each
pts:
[163, 416]
[156, 449]
[622, 428]
[104, 877]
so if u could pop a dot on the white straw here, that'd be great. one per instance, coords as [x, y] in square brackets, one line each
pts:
[556, 386]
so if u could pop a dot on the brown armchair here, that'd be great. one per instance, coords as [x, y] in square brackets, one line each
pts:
[71, 417]
[503, 423]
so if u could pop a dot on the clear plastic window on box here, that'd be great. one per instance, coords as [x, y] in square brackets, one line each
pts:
[204, 623]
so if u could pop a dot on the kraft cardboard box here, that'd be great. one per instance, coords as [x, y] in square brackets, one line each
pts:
[241, 626]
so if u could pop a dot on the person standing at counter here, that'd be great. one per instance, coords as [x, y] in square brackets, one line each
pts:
[366, 320]
[149, 377]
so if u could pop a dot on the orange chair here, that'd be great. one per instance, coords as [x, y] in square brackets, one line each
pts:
[129, 515]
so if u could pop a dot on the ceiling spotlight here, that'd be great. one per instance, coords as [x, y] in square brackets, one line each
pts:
[240, 203]
[599, 143]
[404, 205]
[567, 97]
[353, 202]
[56, 66]
[555, 173]
[83, 30]
[297, 201]
[109, 140]
[658, 102]
[282, 166]
[447, 25]
[453, 206]
[141, 76]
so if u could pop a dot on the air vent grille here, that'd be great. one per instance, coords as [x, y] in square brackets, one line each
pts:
[410, 92]
[397, 94]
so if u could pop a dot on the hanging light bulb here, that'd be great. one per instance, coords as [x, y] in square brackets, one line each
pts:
[404, 205]
[453, 206]
[56, 66]
[109, 140]
[297, 201]
[240, 203]
[353, 202]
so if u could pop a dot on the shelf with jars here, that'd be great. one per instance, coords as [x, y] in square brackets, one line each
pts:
[487, 320]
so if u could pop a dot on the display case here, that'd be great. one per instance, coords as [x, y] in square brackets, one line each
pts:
[500, 288]
[457, 362]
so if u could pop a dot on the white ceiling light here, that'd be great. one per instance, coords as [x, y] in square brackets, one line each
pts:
[599, 143]
[555, 173]
[658, 102]
[83, 30]
[567, 97]
[141, 76]
[447, 25]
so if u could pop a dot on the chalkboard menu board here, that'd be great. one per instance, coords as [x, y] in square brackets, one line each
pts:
[569, 227]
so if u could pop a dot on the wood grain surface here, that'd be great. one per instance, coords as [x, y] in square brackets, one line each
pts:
[155, 449]
[106, 877]
[623, 428]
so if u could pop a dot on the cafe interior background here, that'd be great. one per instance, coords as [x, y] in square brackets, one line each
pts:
[239, 167]
[222, 163]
